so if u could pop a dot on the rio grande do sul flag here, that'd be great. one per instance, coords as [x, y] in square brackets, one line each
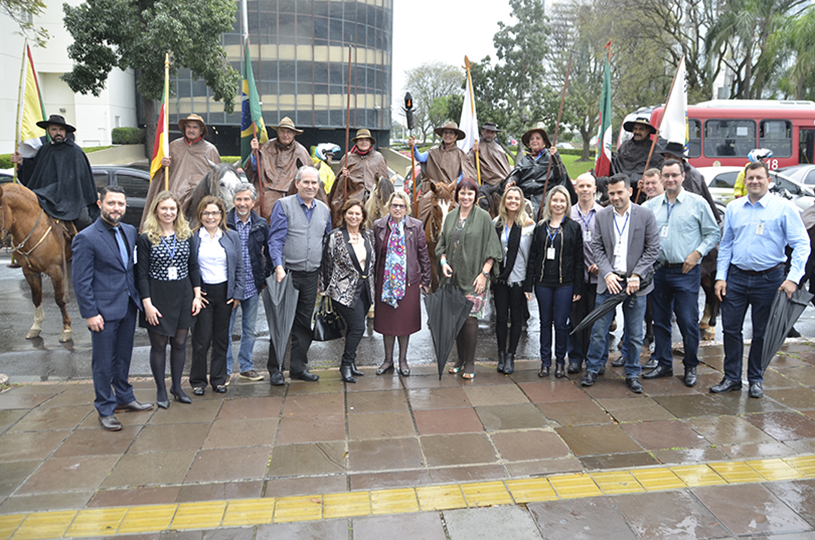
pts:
[30, 108]
[161, 142]
[602, 166]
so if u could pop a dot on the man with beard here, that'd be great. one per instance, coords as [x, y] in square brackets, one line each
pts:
[189, 161]
[280, 159]
[358, 171]
[62, 177]
[632, 155]
[105, 286]
[494, 162]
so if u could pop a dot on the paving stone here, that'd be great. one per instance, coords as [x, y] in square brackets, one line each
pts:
[259, 408]
[226, 433]
[440, 421]
[798, 495]
[169, 438]
[497, 523]
[437, 398]
[52, 501]
[459, 449]
[307, 530]
[307, 459]
[593, 440]
[220, 491]
[466, 474]
[594, 518]
[517, 416]
[675, 515]
[505, 394]
[380, 425]
[385, 454]
[13, 473]
[784, 426]
[95, 442]
[575, 413]
[376, 401]
[530, 444]
[540, 392]
[618, 461]
[664, 434]
[229, 464]
[150, 469]
[420, 526]
[30, 445]
[390, 480]
[305, 485]
[134, 496]
[43, 419]
[69, 474]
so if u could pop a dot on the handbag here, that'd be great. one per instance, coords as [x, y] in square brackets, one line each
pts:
[328, 324]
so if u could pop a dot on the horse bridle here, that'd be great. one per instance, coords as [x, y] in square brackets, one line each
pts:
[18, 248]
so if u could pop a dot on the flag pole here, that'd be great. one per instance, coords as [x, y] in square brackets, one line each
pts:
[20, 106]
[255, 136]
[166, 143]
[347, 126]
[654, 140]
[557, 128]
[467, 65]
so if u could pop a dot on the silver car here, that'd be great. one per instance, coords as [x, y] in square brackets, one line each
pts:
[720, 181]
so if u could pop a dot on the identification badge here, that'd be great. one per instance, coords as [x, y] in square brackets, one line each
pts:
[587, 236]
[172, 273]
[664, 232]
[760, 229]
[550, 253]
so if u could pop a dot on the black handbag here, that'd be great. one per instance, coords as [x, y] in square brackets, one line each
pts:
[328, 324]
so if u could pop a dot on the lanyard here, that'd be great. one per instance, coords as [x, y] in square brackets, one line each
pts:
[670, 208]
[591, 216]
[172, 251]
[552, 236]
[621, 231]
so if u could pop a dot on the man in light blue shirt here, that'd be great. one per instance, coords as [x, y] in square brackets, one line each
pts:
[750, 270]
[688, 231]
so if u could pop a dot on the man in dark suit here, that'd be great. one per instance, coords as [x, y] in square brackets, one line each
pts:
[625, 246]
[105, 286]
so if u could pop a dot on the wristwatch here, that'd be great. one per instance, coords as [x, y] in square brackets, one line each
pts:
[486, 274]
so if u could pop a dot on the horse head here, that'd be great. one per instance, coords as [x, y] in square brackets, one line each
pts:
[224, 182]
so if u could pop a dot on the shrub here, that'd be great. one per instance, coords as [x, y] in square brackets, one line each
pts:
[128, 135]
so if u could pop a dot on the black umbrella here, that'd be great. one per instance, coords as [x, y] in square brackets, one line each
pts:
[783, 314]
[447, 311]
[610, 304]
[280, 303]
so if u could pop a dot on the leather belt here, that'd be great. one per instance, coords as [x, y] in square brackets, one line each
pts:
[760, 272]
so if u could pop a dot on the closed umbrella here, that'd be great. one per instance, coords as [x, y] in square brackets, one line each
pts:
[280, 303]
[447, 311]
[783, 314]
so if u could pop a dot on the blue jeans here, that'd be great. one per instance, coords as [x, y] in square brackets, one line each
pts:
[634, 314]
[249, 319]
[757, 292]
[679, 293]
[554, 304]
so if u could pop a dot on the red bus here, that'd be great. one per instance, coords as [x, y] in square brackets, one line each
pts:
[722, 132]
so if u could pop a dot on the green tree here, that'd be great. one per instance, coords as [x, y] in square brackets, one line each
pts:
[427, 83]
[794, 43]
[136, 34]
[22, 13]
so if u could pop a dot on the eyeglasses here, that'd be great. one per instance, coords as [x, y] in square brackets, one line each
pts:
[398, 206]
[672, 175]
[211, 214]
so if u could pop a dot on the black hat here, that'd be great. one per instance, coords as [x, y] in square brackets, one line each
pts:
[490, 126]
[641, 120]
[56, 120]
[673, 148]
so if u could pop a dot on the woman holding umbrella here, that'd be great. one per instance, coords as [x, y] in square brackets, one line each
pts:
[403, 267]
[556, 270]
[468, 250]
[345, 277]
[514, 228]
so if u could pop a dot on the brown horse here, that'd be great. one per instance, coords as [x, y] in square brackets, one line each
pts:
[440, 201]
[41, 245]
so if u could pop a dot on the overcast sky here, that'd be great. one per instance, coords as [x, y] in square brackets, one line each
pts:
[441, 30]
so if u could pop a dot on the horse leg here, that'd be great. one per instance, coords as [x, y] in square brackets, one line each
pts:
[34, 280]
[58, 281]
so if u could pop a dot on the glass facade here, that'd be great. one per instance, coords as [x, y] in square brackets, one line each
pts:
[299, 51]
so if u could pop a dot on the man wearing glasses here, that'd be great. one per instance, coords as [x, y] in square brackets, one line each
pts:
[687, 232]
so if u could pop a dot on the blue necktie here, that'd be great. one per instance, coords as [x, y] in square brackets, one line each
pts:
[120, 239]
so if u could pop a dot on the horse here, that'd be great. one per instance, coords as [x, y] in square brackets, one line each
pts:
[221, 180]
[42, 246]
[376, 205]
[441, 201]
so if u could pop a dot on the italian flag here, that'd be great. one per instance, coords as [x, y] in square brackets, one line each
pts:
[602, 167]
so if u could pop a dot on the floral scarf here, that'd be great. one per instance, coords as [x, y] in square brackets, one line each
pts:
[393, 288]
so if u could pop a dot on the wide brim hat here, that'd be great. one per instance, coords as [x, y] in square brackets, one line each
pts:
[452, 126]
[56, 120]
[182, 124]
[526, 136]
[643, 121]
[363, 134]
[673, 148]
[490, 126]
[288, 124]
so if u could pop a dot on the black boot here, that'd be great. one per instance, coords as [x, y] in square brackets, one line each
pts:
[355, 370]
[501, 358]
[509, 364]
[345, 371]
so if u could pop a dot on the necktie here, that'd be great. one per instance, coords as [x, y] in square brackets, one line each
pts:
[120, 239]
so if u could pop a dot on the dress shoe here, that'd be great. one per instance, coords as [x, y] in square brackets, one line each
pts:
[560, 371]
[134, 406]
[355, 371]
[384, 369]
[110, 423]
[345, 371]
[181, 397]
[228, 380]
[633, 384]
[726, 386]
[199, 391]
[619, 362]
[305, 375]
[276, 379]
[164, 404]
[544, 372]
[793, 333]
[509, 364]
[251, 375]
[652, 363]
[602, 370]
[690, 376]
[659, 371]
[501, 359]
[220, 389]
[404, 372]
[573, 368]
[589, 378]
[756, 389]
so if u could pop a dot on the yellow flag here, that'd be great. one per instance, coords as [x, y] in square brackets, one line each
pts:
[31, 109]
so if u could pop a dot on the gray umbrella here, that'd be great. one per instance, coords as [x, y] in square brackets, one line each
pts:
[447, 311]
[280, 303]
[783, 314]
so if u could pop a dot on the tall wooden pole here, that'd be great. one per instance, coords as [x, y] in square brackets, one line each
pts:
[347, 126]
[467, 65]
[166, 127]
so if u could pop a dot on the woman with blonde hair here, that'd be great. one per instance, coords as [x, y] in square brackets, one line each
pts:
[514, 228]
[555, 269]
[170, 288]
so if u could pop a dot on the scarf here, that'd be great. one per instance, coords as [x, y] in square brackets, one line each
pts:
[356, 150]
[512, 249]
[393, 288]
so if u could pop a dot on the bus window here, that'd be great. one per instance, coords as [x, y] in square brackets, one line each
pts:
[694, 138]
[729, 138]
[806, 146]
[777, 136]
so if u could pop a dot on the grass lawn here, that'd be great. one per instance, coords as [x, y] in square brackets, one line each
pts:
[576, 168]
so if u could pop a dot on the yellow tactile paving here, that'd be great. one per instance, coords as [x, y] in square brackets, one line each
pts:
[575, 485]
[44, 525]
[736, 472]
[148, 518]
[97, 522]
[486, 494]
[617, 482]
[249, 512]
[8, 524]
[803, 464]
[339, 505]
[774, 469]
[199, 515]
[531, 490]
[394, 501]
[658, 479]
[306, 508]
[698, 475]
[441, 497]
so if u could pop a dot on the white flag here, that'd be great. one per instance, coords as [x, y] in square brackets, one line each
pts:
[469, 120]
[674, 124]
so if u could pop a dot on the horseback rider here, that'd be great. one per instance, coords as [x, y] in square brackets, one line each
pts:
[360, 169]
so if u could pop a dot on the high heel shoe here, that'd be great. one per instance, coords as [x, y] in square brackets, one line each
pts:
[468, 376]
[404, 372]
[355, 371]
[345, 371]
[559, 372]
[382, 369]
[455, 369]
[501, 359]
[181, 397]
[164, 404]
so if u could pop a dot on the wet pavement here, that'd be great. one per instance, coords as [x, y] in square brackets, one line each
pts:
[496, 457]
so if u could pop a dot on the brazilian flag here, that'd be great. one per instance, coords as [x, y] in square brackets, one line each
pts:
[251, 116]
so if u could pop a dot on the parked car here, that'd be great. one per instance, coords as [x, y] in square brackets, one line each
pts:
[565, 145]
[803, 174]
[720, 181]
[6, 175]
[135, 179]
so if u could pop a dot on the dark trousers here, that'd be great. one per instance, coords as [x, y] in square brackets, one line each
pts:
[579, 342]
[354, 316]
[211, 329]
[509, 308]
[554, 304]
[675, 292]
[744, 290]
[110, 363]
[301, 332]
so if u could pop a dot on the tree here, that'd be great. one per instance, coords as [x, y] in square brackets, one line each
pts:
[427, 83]
[136, 34]
[22, 12]
[793, 42]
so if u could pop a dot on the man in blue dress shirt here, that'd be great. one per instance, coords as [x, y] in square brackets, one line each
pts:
[750, 270]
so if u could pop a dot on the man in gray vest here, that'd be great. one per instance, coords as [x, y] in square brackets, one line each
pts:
[296, 229]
